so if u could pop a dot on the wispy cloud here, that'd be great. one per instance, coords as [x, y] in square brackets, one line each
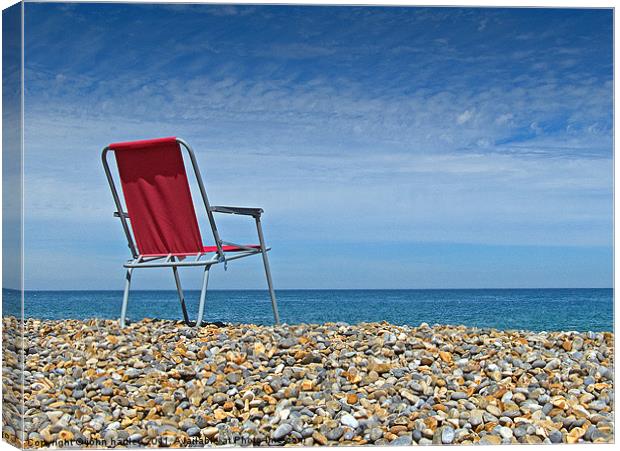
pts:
[464, 117]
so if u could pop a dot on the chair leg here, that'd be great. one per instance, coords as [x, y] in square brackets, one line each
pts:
[177, 280]
[203, 295]
[272, 292]
[125, 297]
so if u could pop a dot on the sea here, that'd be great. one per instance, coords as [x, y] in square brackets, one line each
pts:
[584, 309]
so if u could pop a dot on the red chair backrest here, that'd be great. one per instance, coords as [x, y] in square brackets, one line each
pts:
[158, 197]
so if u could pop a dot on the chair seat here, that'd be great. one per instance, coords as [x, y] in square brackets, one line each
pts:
[230, 248]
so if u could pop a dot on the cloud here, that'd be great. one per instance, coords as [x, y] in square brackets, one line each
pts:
[536, 128]
[296, 51]
[464, 117]
[504, 118]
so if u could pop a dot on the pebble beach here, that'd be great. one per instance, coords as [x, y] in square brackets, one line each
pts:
[158, 383]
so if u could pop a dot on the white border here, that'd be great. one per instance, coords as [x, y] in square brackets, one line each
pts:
[477, 3]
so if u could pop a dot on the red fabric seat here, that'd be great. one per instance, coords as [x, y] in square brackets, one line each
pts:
[158, 197]
[159, 200]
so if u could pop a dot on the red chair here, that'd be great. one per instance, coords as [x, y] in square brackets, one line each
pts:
[160, 221]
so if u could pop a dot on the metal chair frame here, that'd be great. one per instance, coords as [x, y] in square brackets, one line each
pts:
[172, 261]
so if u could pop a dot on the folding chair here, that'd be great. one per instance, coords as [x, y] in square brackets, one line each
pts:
[160, 216]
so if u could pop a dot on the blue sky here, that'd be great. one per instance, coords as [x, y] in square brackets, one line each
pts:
[389, 147]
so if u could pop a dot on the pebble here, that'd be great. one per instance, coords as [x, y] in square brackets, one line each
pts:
[335, 433]
[475, 418]
[210, 432]
[375, 434]
[135, 437]
[348, 435]
[349, 420]
[447, 435]
[194, 431]
[553, 364]
[282, 431]
[319, 438]
[505, 432]
[494, 410]
[113, 426]
[78, 394]
[404, 440]
[490, 440]
[459, 395]
[597, 405]
[555, 436]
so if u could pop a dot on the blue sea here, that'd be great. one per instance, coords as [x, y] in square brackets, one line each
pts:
[533, 309]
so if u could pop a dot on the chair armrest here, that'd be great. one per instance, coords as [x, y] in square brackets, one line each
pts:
[247, 211]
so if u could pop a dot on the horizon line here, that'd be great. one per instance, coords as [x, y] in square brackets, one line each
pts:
[330, 289]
